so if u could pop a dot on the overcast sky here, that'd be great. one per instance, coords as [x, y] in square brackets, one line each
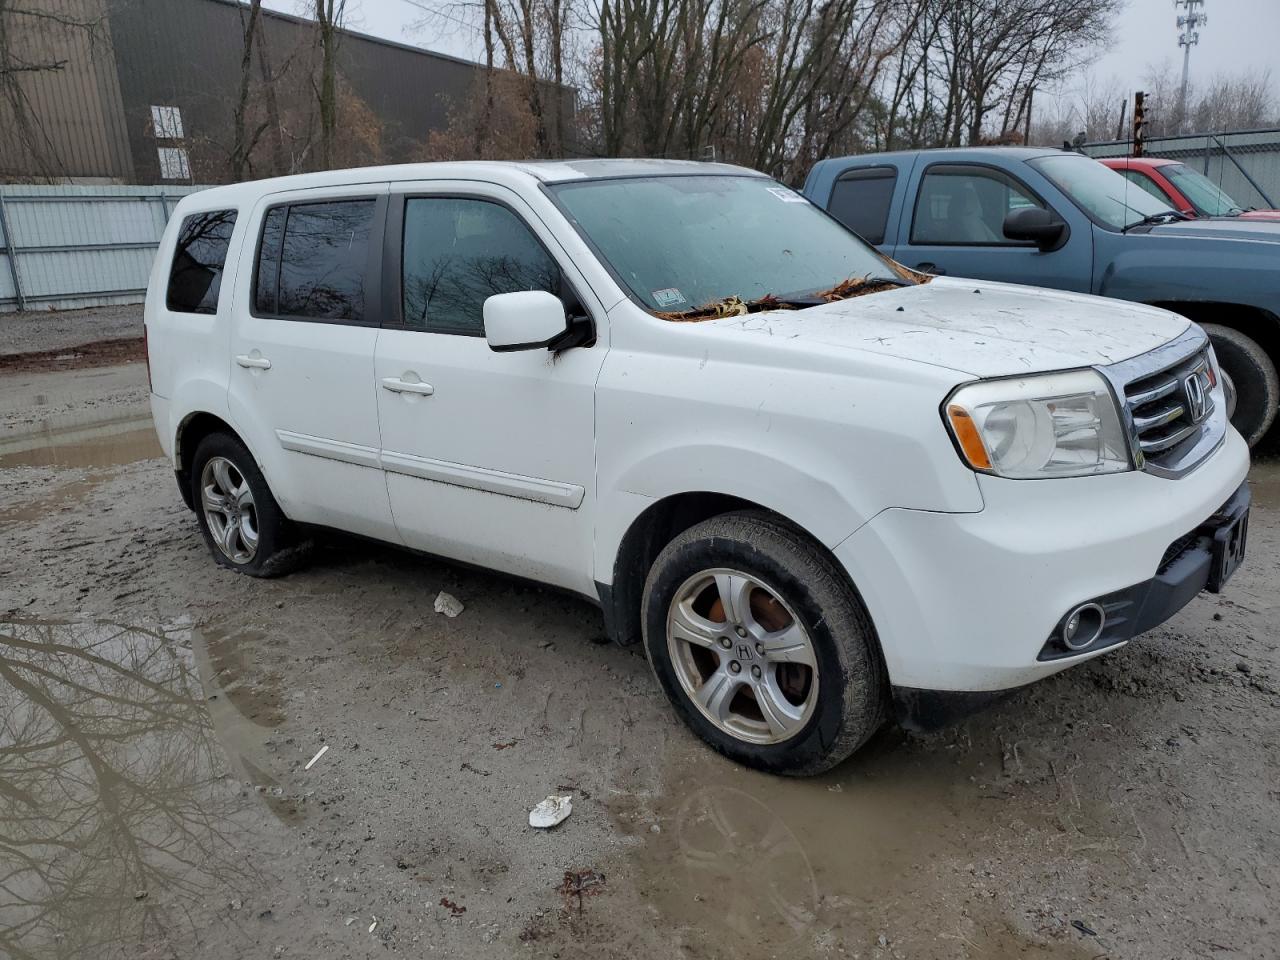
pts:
[1240, 34]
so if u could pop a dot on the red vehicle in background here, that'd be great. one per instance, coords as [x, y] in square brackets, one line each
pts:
[1187, 190]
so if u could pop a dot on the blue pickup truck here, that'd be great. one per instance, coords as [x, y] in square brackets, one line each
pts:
[1057, 219]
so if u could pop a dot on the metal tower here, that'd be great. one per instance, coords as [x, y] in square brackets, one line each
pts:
[1188, 23]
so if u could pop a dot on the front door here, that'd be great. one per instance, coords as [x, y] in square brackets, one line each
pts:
[489, 457]
[957, 229]
[302, 355]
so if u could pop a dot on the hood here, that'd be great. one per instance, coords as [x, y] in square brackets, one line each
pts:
[974, 327]
[1258, 229]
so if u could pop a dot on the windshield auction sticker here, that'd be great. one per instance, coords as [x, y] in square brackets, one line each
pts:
[668, 297]
[787, 196]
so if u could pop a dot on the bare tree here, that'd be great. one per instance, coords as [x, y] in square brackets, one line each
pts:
[329, 18]
[528, 39]
[245, 141]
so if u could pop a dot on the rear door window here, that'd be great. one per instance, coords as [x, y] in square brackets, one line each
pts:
[860, 200]
[199, 259]
[313, 261]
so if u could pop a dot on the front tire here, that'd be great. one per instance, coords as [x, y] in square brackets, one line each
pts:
[243, 526]
[762, 646]
[1253, 374]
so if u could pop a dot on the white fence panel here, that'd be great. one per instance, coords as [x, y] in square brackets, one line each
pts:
[66, 247]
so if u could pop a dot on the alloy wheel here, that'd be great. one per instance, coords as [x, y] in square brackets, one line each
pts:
[229, 510]
[742, 656]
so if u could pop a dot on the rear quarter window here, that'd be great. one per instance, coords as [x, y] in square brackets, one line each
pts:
[860, 200]
[195, 278]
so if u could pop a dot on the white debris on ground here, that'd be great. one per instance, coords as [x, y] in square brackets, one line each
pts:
[551, 811]
[448, 604]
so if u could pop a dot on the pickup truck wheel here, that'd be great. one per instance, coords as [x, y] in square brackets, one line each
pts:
[1253, 374]
[762, 646]
[243, 525]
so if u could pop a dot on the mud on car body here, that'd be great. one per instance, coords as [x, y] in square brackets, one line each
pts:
[815, 487]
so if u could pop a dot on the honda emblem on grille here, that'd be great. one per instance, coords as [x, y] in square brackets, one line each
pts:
[1194, 390]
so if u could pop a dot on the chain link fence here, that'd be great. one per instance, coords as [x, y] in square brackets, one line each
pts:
[1245, 163]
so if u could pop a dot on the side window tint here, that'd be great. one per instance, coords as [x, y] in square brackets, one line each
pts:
[198, 262]
[268, 272]
[460, 252]
[967, 205]
[324, 259]
[860, 200]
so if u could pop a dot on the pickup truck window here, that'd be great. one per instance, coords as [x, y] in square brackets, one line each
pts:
[1106, 197]
[198, 261]
[860, 200]
[1209, 199]
[681, 242]
[963, 204]
[458, 252]
[312, 261]
[1140, 178]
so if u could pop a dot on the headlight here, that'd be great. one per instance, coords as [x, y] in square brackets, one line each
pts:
[1052, 425]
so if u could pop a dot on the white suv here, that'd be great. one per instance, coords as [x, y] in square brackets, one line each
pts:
[816, 485]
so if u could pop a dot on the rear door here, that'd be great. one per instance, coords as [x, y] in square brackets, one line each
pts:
[955, 226]
[489, 457]
[301, 385]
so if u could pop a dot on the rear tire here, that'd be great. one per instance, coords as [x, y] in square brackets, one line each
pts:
[243, 526]
[784, 675]
[1253, 374]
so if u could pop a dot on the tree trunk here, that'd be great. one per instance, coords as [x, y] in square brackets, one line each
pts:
[242, 146]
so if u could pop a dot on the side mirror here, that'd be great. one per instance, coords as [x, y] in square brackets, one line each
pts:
[528, 320]
[1041, 227]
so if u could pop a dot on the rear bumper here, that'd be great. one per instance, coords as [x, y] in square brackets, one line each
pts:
[966, 602]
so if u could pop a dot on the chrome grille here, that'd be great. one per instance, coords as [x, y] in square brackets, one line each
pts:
[1169, 409]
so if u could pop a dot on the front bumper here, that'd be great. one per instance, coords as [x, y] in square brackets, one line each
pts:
[965, 602]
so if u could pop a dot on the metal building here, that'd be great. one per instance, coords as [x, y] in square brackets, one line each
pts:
[144, 91]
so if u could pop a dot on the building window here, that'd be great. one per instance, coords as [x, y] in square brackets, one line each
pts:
[166, 123]
[174, 164]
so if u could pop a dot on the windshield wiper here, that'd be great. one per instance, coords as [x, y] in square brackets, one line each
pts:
[735, 306]
[1152, 219]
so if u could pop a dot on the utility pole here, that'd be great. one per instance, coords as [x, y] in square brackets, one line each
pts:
[1139, 123]
[1188, 23]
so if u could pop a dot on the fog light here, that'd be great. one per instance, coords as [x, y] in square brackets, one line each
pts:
[1083, 626]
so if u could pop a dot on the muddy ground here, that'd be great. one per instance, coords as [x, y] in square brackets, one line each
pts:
[159, 713]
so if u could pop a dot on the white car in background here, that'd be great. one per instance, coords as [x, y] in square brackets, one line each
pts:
[815, 485]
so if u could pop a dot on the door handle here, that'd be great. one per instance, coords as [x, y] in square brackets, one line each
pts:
[396, 385]
[933, 268]
[253, 363]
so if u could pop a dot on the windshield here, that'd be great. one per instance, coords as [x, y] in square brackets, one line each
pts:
[1099, 191]
[683, 242]
[1207, 197]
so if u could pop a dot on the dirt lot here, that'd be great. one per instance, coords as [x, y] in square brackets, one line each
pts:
[160, 711]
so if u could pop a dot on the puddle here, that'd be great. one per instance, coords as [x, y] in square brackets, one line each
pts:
[110, 443]
[65, 496]
[750, 865]
[119, 826]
